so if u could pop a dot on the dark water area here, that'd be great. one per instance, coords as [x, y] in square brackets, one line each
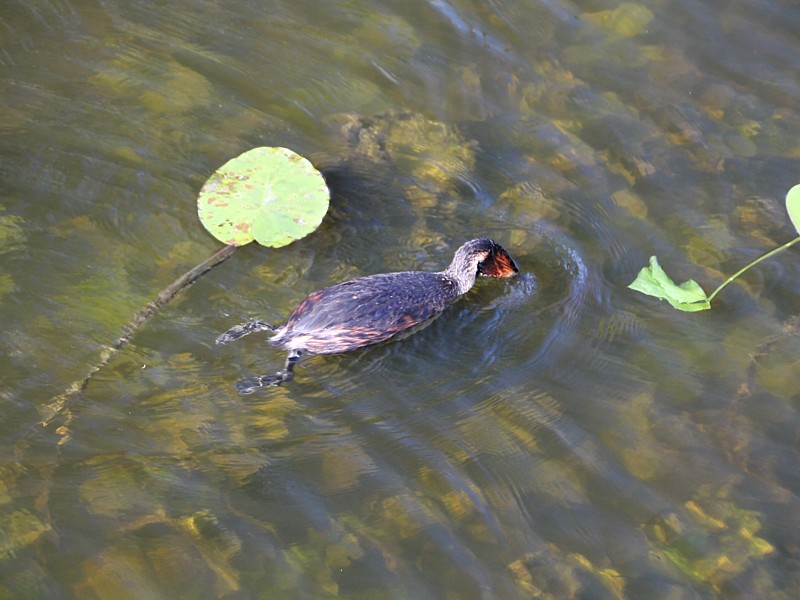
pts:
[556, 435]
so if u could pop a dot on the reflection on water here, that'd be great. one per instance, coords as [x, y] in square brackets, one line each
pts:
[551, 436]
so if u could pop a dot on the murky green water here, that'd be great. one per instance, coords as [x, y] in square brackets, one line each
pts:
[553, 436]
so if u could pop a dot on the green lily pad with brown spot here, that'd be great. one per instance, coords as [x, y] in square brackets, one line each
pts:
[268, 194]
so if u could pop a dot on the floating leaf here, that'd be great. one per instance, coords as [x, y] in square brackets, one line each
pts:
[793, 206]
[653, 281]
[272, 195]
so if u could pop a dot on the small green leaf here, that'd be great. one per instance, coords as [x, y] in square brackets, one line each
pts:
[793, 206]
[653, 281]
[272, 195]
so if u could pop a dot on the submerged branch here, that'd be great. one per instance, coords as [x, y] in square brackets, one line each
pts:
[58, 404]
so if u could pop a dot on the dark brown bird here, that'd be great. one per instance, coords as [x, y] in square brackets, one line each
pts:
[372, 309]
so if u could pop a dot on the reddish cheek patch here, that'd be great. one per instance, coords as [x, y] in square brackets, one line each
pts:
[500, 265]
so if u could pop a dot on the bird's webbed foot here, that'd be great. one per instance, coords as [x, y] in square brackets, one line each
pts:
[243, 329]
[251, 384]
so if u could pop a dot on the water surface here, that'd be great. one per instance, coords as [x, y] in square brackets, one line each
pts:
[553, 436]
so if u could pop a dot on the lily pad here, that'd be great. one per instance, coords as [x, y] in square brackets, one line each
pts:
[269, 194]
[653, 281]
[793, 206]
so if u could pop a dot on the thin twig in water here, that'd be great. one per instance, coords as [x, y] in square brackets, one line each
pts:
[61, 403]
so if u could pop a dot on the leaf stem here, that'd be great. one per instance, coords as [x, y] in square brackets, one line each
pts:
[61, 403]
[752, 264]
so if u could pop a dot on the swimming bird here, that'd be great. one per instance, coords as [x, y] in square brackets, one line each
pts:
[372, 309]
